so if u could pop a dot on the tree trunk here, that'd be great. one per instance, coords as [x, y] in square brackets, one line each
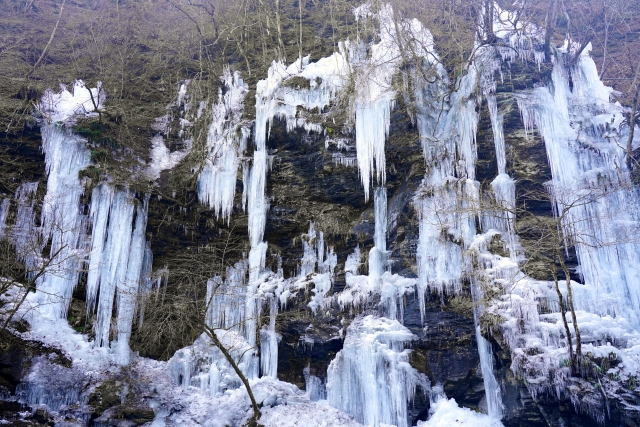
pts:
[572, 308]
[563, 311]
[282, 54]
[552, 15]
[256, 411]
[488, 21]
[632, 115]
[53, 33]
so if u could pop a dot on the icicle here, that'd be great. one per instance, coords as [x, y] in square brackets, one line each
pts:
[4, 211]
[128, 290]
[113, 268]
[101, 200]
[372, 129]
[269, 342]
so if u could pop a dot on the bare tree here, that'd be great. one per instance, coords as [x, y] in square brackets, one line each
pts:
[176, 315]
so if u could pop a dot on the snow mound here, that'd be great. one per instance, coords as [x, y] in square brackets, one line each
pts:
[447, 413]
[313, 414]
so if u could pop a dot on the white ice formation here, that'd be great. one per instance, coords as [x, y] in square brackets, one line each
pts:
[371, 378]
[580, 128]
[109, 244]
[226, 143]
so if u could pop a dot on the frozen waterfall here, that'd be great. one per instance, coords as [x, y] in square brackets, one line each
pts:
[590, 186]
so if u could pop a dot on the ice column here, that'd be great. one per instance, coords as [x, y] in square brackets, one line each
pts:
[101, 200]
[447, 199]
[309, 254]
[257, 207]
[378, 254]
[62, 220]
[316, 389]
[502, 216]
[491, 387]
[116, 265]
[269, 342]
[370, 378]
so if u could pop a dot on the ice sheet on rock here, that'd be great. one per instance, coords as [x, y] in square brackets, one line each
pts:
[53, 385]
[374, 354]
[493, 392]
[317, 266]
[59, 334]
[283, 405]
[447, 211]
[163, 159]
[534, 331]
[234, 306]
[314, 414]
[352, 265]
[225, 300]
[58, 107]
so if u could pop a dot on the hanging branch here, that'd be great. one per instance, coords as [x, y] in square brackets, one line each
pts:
[53, 33]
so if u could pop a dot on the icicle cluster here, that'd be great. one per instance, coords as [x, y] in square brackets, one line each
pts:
[373, 355]
[226, 142]
[116, 263]
[115, 254]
